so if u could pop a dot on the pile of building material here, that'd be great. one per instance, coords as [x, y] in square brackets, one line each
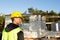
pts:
[35, 29]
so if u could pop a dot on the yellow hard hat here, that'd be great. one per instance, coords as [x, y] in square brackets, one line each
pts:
[16, 14]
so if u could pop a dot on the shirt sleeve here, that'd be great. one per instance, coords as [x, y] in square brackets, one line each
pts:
[20, 35]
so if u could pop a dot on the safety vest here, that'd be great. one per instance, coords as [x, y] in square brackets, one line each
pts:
[12, 35]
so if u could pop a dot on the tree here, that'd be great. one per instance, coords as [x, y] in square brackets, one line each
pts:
[52, 13]
[31, 10]
[59, 13]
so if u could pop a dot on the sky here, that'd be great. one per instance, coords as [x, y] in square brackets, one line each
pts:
[8, 6]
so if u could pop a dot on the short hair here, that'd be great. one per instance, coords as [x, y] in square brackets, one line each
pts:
[12, 19]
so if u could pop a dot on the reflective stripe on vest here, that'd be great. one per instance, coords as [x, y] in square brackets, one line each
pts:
[12, 35]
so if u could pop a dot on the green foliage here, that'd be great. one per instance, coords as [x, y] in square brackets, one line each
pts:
[52, 13]
[2, 22]
[59, 14]
[26, 19]
[40, 12]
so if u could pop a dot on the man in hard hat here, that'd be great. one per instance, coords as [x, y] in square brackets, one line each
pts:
[13, 31]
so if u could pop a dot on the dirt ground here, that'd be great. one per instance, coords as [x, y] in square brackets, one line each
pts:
[42, 39]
